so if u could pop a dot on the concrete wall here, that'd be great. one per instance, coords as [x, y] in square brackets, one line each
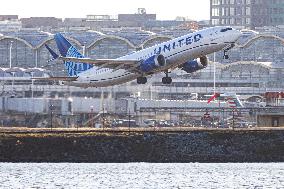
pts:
[32, 105]
[88, 105]
[270, 120]
[199, 146]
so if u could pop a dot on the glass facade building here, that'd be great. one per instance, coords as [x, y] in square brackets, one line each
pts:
[247, 13]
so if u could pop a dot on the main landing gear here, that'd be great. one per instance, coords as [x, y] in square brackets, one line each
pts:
[226, 56]
[167, 79]
[141, 80]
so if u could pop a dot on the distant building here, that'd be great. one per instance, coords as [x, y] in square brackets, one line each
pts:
[247, 13]
[8, 17]
[38, 22]
[136, 17]
[97, 22]
[137, 20]
[10, 25]
[99, 18]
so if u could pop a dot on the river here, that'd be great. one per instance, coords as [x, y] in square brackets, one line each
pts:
[141, 175]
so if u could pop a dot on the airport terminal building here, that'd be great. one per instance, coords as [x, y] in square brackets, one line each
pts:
[254, 68]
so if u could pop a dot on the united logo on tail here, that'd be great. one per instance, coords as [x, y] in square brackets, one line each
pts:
[68, 50]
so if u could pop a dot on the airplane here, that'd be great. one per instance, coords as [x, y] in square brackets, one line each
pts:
[187, 52]
[231, 98]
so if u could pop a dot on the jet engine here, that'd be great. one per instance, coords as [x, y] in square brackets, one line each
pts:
[152, 63]
[195, 65]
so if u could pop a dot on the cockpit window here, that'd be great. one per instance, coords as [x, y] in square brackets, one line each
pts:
[226, 29]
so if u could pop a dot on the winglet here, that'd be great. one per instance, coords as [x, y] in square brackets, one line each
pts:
[53, 54]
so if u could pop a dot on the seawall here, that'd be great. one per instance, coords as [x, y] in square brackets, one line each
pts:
[193, 146]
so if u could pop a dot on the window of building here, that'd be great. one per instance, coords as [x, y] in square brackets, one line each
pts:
[215, 2]
[238, 21]
[248, 11]
[215, 12]
[232, 11]
[238, 11]
[223, 11]
[215, 22]
[274, 10]
[232, 2]
[243, 21]
[225, 2]
[247, 21]
[227, 11]
[239, 2]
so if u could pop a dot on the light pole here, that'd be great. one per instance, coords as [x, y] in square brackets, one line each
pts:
[71, 120]
[32, 87]
[51, 108]
[214, 73]
[103, 117]
[10, 55]
[91, 117]
[129, 121]
[84, 50]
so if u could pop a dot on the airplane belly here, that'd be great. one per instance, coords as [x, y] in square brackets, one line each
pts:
[191, 54]
[106, 79]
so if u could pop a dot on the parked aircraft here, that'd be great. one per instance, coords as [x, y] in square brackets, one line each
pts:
[231, 98]
[187, 52]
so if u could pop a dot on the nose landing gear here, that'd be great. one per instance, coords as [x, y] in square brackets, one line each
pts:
[167, 79]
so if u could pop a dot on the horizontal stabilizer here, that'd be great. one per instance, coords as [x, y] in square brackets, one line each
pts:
[53, 54]
[55, 78]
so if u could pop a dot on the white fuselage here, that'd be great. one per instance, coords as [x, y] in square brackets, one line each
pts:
[176, 52]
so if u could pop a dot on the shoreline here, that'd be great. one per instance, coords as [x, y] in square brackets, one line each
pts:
[124, 146]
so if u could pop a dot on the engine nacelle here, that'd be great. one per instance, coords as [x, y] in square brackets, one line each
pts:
[195, 65]
[152, 63]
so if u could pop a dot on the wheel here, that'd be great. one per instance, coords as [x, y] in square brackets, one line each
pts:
[169, 80]
[138, 80]
[141, 80]
[166, 80]
[144, 80]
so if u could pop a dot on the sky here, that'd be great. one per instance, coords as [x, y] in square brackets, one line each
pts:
[165, 10]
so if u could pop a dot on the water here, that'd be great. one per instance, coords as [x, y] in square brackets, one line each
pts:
[141, 175]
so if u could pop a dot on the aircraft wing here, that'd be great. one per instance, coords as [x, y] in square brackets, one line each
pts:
[116, 64]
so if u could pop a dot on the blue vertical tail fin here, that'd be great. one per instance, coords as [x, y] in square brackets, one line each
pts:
[68, 50]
